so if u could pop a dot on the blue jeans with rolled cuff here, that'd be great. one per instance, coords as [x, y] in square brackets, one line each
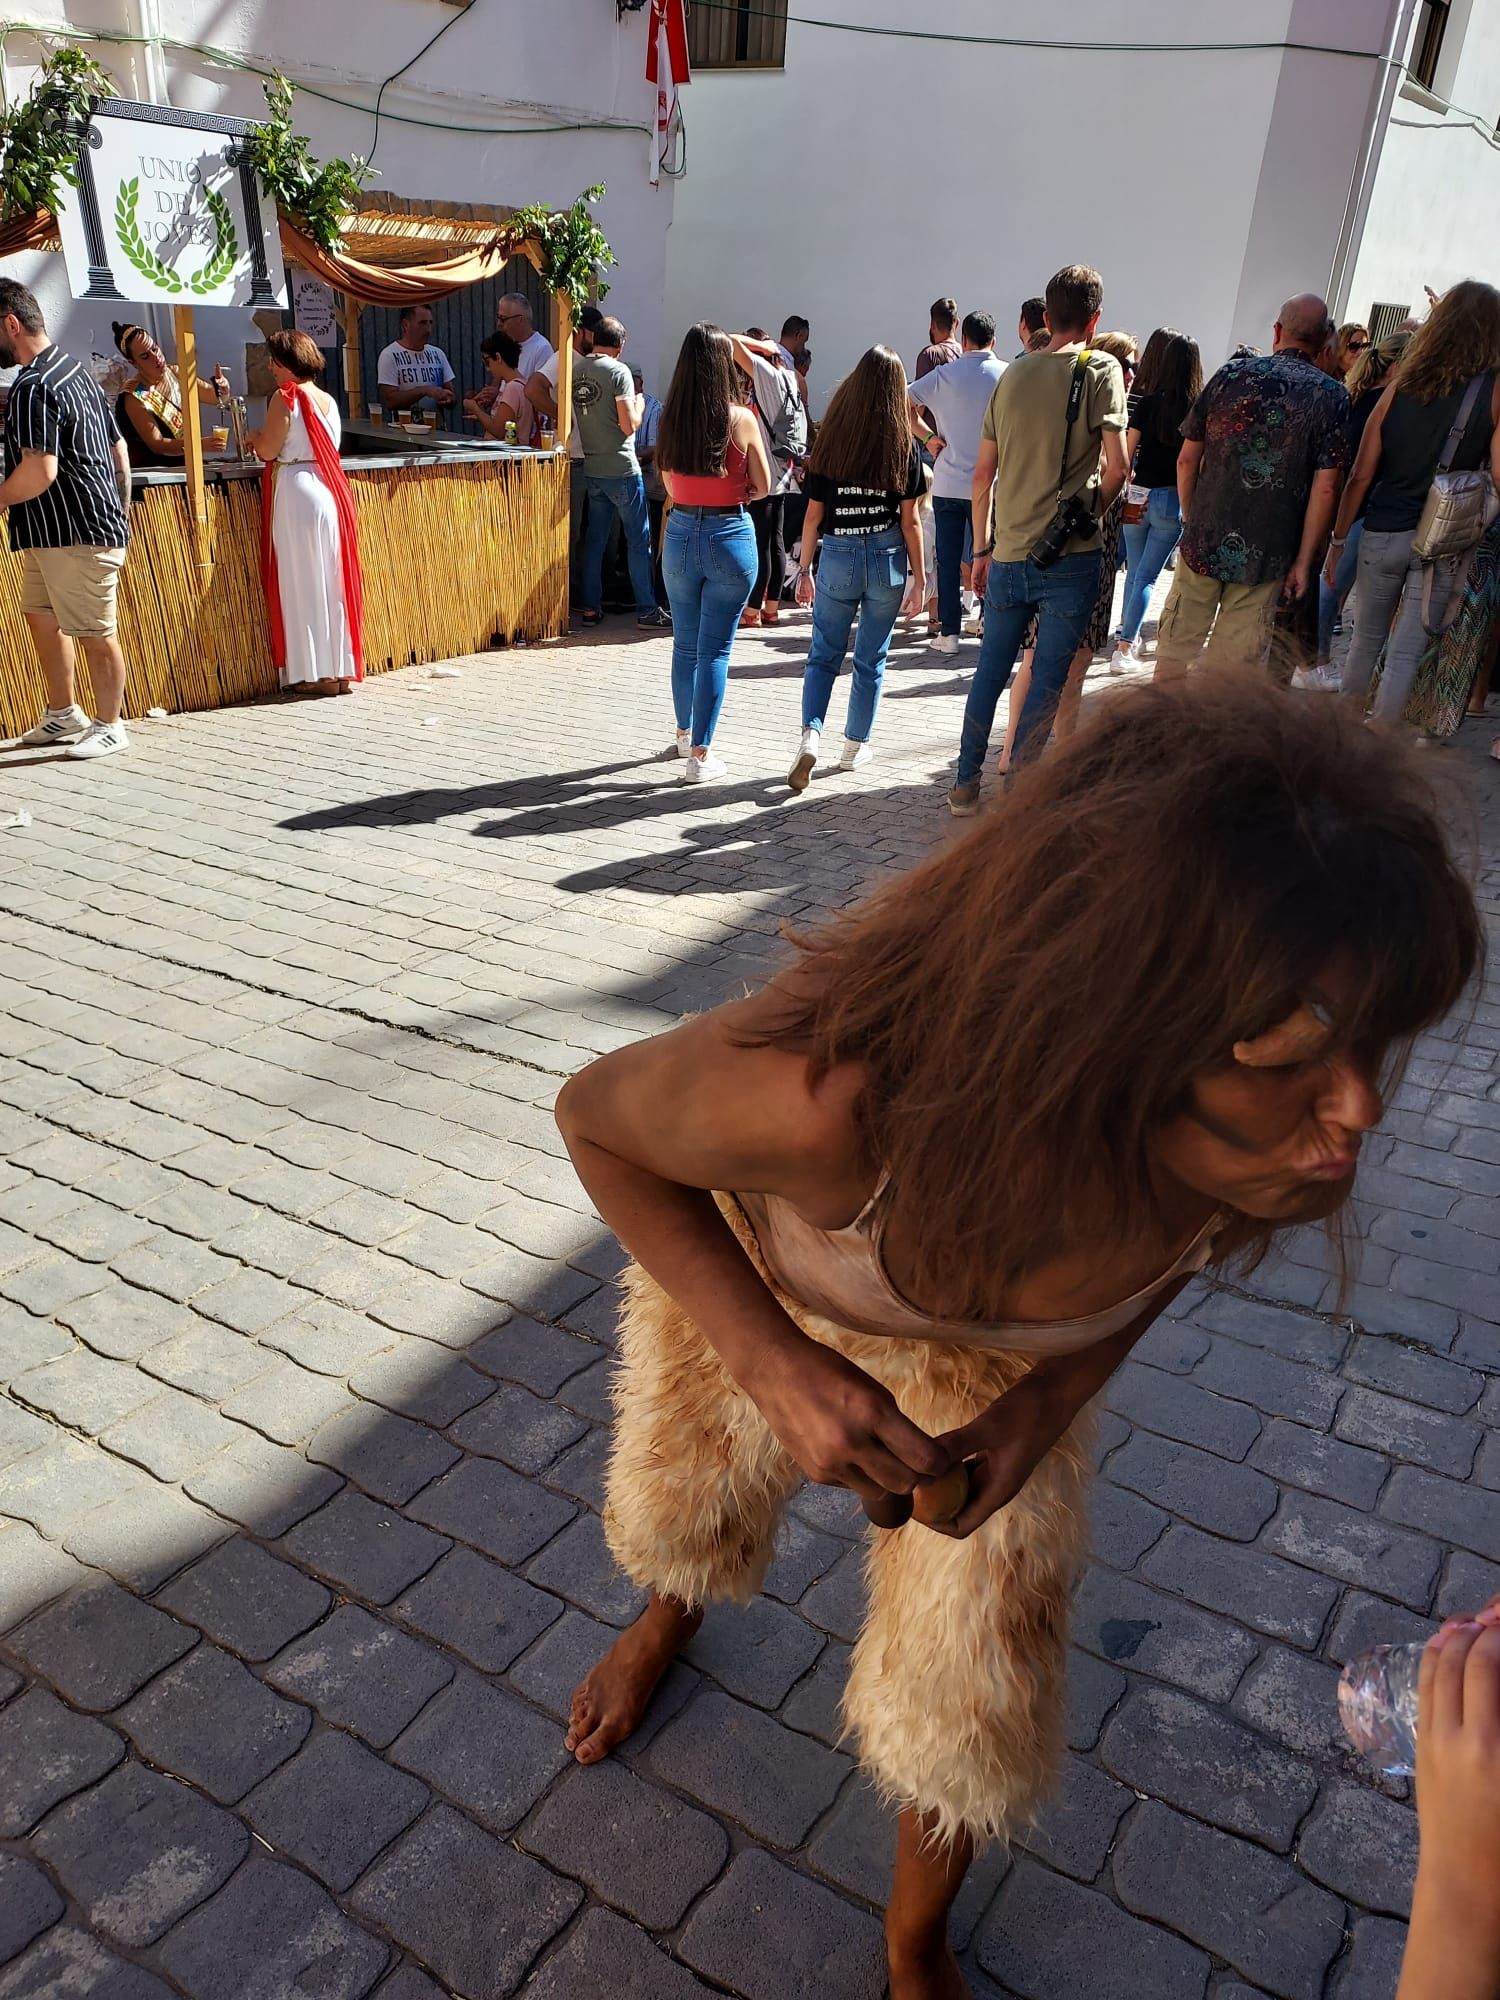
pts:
[1063, 599]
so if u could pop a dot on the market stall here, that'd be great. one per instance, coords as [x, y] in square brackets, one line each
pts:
[192, 609]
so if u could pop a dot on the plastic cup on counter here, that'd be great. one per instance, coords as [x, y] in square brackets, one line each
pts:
[377, 412]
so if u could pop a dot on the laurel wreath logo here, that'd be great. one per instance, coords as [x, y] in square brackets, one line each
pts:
[161, 276]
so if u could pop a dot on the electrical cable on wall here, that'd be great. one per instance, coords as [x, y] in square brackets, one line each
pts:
[467, 8]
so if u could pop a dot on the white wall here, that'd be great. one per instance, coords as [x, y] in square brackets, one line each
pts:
[874, 174]
[565, 62]
[1434, 214]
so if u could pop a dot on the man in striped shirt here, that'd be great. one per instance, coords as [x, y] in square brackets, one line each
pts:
[67, 487]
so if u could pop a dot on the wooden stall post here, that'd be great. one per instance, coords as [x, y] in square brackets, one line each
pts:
[351, 355]
[192, 432]
[564, 368]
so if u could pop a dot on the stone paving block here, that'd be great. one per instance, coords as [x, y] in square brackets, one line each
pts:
[346, 1273]
[261, 1486]
[530, 1284]
[1274, 1384]
[69, 1961]
[756, 1651]
[490, 1507]
[1297, 1335]
[1122, 1526]
[365, 1548]
[1365, 1621]
[1210, 1492]
[252, 1301]
[139, 1851]
[466, 1904]
[591, 1394]
[206, 1360]
[1173, 1408]
[579, 1567]
[46, 1284]
[1409, 1373]
[272, 1243]
[540, 1357]
[1363, 1847]
[1077, 1826]
[146, 1537]
[10, 1683]
[1446, 1284]
[417, 1379]
[1051, 1939]
[34, 1201]
[334, 1807]
[295, 1191]
[21, 1432]
[96, 1233]
[361, 1673]
[1276, 1597]
[1093, 1690]
[246, 1599]
[29, 1904]
[582, 1472]
[190, 1208]
[47, 1753]
[389, 1456]
[99, 1644]
[269, 1933]
[1319, 1463]
[605, 1958]
[633, 1845]
[26, 1340]
[768, 1933]
[1468, 1585]
[171, 1436]
[1171, 1747]
[1371, 1967]
[1237, 1901]
[363, 1217]
[484, 1750]
[446, 1249]
[1120, 1619]
[441, 1312]
[837, 1601]
[174, 1266]
[63, 1482]
[288, 1404]
[208, 1720]
[84, 1391]
[1294, 1700]
[471, 1605]
[542, 1228]
[1463, 1515]
[33, 1571]
[1434, 1438]
[518, 1427]
[732, 1759]
[802, 1556]
[326, 1338]
[1355, 1548]
[409, 1982]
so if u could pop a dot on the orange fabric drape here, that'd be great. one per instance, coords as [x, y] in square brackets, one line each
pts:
[384, 285]
[37, 231]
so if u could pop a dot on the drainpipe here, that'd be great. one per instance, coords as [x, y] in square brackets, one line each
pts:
[1362, 186]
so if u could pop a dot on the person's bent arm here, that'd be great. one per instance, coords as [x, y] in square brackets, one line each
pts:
[31, 478]
[982, 512]
[812, 522]
[911, 533]
[271, 436]
[924, 425]
[121, 459]
[145, 427]
[1116, 463]
[637, 1124]
[1189, 458]
[747, 433]
[1361, 477]
[539, 395]
[628, 414]
[1316, 522]
[1132, 448]
[395, 398]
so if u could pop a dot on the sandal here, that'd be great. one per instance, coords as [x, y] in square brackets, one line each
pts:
[770, 617]
[591, 617]
[748, 618]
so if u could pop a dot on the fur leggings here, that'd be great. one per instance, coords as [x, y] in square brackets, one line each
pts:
[956, 1687]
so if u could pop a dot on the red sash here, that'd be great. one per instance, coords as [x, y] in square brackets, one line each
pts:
[326, 459]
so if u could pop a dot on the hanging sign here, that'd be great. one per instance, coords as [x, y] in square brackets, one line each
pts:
[168, 209]
[313, 309]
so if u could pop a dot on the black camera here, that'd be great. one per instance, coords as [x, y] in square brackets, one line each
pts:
[1073, 517]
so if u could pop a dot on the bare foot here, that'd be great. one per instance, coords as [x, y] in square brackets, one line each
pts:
[926, 1975]
[612, 1699]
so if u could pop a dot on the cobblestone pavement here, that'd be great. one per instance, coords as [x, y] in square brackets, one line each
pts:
[306, 1347]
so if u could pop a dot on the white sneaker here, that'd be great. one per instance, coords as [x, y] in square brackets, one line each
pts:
[802, 767]
[855, 755]
[1121, 659]
[945, 642]
[1326, 678]
[100, 739]
[682, 745]
[58, 725]
[699, 770]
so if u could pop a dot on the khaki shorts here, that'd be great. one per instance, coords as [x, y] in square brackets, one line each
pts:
[78, 586]
[1238, 615]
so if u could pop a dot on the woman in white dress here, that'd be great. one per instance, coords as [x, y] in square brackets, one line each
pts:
[309, 548]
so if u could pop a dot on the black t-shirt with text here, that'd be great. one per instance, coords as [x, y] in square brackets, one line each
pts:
[863, 510]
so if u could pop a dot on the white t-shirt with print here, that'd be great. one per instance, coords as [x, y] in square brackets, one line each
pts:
[536, 351]
[403, 367]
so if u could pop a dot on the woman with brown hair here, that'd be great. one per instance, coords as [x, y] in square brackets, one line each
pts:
[309, 545]
[898, 1217]
[863, 485]
[149, 409]
[1448, 379]
[1349, 343]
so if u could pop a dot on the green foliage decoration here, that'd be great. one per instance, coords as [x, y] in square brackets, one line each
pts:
[575, 252]
[39, 137]
[319, 196]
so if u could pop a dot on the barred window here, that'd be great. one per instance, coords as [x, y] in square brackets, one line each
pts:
[1427, 44]
[737, 34]
[1386, 320]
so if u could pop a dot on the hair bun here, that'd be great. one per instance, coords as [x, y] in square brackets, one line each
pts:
[124, 335]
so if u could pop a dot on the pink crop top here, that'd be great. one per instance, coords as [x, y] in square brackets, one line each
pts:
[731, 488]
[841, 1274]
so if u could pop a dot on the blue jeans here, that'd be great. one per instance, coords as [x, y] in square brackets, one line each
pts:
[1331, 602]
[953, 533]
[627, 498]
[1148, 543]
[1063, 599]
[708, 562]
[859, 577]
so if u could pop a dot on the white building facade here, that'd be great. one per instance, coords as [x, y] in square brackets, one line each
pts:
[510, 105]
[854, 160]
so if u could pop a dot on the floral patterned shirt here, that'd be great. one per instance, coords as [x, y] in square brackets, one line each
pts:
[1267, 423]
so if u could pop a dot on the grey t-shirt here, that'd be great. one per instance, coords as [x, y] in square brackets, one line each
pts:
[598, 379]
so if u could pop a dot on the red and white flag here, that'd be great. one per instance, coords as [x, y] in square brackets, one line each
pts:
[666, 68]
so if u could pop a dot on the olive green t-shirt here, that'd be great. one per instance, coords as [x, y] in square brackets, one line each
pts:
[1025, 422]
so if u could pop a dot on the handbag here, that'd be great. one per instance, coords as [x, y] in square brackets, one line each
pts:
[1455, 516]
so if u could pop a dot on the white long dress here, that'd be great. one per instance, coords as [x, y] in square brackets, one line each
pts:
[305, 536]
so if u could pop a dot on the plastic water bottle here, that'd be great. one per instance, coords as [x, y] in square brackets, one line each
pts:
[1378, 1706]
